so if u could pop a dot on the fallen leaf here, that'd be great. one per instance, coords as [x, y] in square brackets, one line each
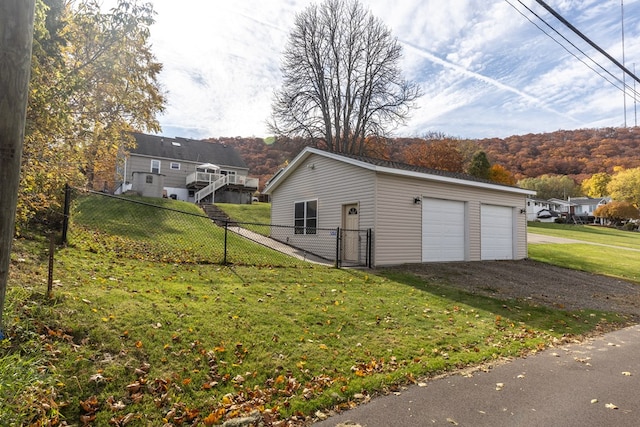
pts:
[594, 400]
[321, 415]
[452, 421]
[626, 374]
[610, 406]
[499, 386]
[98, 378]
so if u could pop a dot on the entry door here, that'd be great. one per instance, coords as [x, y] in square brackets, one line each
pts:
[350, 225]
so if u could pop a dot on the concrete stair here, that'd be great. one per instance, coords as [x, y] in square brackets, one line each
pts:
[217, 215]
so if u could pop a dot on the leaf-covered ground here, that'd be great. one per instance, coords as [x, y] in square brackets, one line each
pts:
[126, 341]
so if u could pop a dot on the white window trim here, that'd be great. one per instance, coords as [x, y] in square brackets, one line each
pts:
[176, 164]
[151, 167]
[305, 227]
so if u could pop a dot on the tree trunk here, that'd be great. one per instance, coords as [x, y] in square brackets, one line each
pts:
[16, 38]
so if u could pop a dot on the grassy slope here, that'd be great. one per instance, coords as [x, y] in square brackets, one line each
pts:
[259, 213]
[177, 342]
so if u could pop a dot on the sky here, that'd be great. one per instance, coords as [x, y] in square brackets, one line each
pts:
[484, 68]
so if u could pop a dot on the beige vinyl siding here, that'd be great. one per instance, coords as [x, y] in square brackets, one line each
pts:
[398, 233]
[385, 198]
[333, 184]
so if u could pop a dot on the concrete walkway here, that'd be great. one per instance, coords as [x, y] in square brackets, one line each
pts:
[593, 383]
[279, 246]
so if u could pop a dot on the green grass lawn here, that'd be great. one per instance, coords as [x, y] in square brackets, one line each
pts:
[595, 258]
[259, 213]
[588, 233]
[175, 231]
[135, 340]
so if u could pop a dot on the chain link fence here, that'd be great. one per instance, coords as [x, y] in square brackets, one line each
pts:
[171, 231]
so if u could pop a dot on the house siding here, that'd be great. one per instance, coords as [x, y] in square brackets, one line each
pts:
[173, 178]
[386, 205]
[398, 231]
[333, 184]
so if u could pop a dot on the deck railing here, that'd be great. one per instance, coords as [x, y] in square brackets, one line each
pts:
[209, 178]
[221, 181]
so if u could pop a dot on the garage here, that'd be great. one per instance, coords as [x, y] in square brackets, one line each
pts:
[443, 230]
[496, 230]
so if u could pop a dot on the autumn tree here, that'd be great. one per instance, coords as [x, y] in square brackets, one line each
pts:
[617, 212]
[479, 166]
[499, 174]
[625, 186]
[341, 79]
[441, 154]
[596, 185]
[93, 79]
[551, 186]
[467, 148]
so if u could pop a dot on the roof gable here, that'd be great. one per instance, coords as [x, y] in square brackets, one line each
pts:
[393, 168]
[190, 150]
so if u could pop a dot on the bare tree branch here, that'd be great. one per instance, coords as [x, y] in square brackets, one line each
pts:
[341, 79]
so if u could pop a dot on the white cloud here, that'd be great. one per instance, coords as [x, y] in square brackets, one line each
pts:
[485, 69]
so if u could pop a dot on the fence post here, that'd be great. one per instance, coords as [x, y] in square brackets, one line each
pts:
[338, 247]
[369, 247]
[52, 250]
[226, 229]
[65, 218]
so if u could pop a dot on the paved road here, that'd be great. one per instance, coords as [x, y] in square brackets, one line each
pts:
[572, 385]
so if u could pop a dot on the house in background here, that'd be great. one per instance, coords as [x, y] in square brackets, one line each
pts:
[579, 209]
[187, 169]
[544, 210]
[415, 214]
[585, 207]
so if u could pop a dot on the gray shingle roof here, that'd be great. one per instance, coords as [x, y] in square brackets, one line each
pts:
[187, 150]
[407, 167]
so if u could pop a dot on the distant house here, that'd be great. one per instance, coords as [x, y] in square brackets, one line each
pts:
[415, 214]
[579, 209]
[544, 210]
[586, 206]
[187, 169]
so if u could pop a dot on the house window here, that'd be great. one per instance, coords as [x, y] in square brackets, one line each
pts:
[306, 217]
[155, 166]
[149, 179]
[175, 166]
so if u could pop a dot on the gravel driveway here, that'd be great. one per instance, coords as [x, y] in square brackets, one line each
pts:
[536, 283]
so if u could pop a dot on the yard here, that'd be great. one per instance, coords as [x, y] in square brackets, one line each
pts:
[133, 341]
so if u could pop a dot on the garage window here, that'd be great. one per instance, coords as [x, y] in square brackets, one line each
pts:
[306, 217]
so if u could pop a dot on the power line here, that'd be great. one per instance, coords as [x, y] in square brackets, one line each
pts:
[587, 39]
[617, 79]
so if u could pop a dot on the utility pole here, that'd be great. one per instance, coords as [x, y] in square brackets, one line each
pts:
[16, 40]
[624, 75]
[635, 100]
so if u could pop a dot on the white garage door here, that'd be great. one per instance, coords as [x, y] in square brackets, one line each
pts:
[497, 232]
[443, 230]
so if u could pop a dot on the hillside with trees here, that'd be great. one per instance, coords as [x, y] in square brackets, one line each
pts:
[578, 154]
